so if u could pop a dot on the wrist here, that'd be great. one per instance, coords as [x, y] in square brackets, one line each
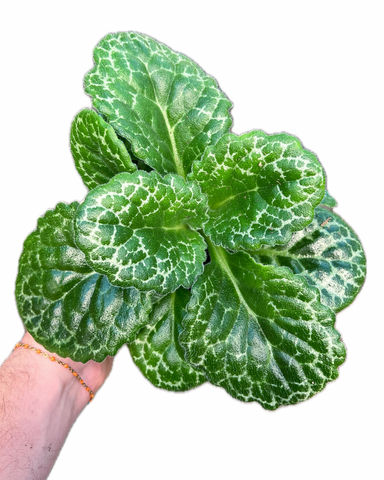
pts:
[43, 380]
[40, 401]
[53, 376]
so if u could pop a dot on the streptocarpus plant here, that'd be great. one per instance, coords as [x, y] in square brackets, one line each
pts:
[213, 256]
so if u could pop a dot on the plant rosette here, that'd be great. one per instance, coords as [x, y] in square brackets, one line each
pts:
[215, 257]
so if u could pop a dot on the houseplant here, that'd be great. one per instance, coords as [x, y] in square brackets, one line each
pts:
[214, 256]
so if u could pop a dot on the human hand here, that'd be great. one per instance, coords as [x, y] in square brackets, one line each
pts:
[93, 373]
[39, 402]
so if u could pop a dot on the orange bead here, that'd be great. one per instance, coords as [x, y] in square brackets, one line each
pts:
[92, 395]
[87, 389]
[38, 351]
[52, 358]
[65, 365]
[17, 345]
[26, 345]
[74, 374]
[82, 381]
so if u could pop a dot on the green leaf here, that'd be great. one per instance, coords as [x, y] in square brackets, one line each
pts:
[328, 254]
[99, 155]
[260, 189]
[139, 230]
[141, 165]
[260, 332]
[64, 304]
[164, 104]
[156, 350]
[328, 201]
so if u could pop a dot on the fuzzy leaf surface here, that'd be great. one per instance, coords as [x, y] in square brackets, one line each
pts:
[156, 350]
[260, 331]
[164, 104]
[328, 254]
[99, 155]
[64, 304]
[139, 230]
[260, 189]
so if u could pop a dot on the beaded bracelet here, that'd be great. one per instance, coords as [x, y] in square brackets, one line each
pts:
[65, 365]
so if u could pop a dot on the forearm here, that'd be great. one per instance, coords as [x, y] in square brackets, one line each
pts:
[39, 402]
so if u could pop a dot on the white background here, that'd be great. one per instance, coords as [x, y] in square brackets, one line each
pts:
[312, 69]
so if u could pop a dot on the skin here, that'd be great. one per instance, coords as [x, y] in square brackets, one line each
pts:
[39, 402]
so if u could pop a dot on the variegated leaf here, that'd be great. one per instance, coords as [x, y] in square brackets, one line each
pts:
[260, 332]
[260, 189]
[156, 350]
[328, 254]
[99, 155]
[164, 104]
[140, 230]
[65, 305]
